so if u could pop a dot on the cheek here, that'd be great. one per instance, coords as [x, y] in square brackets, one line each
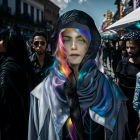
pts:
[84, 50]
[127, 50]
[137, 50]
[44, 47]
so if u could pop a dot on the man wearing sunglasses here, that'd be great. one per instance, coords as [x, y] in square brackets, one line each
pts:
[41, 60]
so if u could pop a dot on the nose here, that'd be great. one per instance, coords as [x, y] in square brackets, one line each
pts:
[74, 46]
[39, 44]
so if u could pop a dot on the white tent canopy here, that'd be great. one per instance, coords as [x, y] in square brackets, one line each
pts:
[126, 21]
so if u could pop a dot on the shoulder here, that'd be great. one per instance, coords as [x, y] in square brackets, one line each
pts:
[39, 89]
[11, 65]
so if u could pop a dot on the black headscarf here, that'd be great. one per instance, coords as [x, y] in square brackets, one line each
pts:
[70, 84]
[17, 80]
[15, 45]
[82, 18]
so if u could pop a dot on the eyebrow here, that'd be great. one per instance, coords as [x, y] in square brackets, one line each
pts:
[71, 37]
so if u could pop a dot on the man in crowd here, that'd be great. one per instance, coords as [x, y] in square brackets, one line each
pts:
[116, 56]
[27, 38]
[41, 60]
[17, 80]
[126, 76]
[124, 53]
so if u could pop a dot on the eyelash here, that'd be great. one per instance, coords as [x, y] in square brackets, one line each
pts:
[66, 41]
[82, 40]
[69, 40]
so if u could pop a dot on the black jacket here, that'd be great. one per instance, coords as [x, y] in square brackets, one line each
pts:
[16, 82]
[42, 71]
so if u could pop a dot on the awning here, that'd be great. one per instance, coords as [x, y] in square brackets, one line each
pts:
[126, 21]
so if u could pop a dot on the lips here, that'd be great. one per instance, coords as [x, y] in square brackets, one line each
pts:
[74, 55]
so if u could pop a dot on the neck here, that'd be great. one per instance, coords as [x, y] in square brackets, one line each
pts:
[75, 70]
[40, 58]
[134, 60]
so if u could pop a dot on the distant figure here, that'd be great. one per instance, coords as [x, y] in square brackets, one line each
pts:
[124, 52]
[105, 53]
[116, 56]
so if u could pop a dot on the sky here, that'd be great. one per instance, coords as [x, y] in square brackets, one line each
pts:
[95, 8]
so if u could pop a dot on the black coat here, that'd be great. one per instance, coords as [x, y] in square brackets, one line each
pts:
[16, 82]
[43, 71]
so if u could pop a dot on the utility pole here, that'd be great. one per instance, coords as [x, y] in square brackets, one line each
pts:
[108, 18]
[121, 15]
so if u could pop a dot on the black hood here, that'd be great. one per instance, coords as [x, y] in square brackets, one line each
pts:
[82, 18]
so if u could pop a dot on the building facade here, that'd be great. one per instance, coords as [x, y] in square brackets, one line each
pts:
[51, 13]
[135, 4]
[28, 15]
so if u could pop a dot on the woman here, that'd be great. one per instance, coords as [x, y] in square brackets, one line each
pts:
[17, 79]
[76, 101]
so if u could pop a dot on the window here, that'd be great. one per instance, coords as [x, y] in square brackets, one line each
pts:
[25, 8]
[18, 7]
[37, 15]
[32, 12]
[5, 4]
[42, 16]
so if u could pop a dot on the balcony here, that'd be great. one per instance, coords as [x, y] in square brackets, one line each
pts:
[5, 9]
[25, 16]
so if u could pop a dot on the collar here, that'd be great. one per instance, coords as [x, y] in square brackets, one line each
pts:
[47, 57]
[49, 100]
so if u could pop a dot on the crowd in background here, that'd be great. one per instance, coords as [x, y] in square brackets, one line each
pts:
[123, 56]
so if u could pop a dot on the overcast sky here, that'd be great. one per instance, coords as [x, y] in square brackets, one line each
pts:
[95, 8]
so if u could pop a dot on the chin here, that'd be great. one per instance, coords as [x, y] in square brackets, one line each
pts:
[40, 53]
[75, 63]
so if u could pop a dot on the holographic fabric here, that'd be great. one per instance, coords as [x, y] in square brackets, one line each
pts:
[49, 109]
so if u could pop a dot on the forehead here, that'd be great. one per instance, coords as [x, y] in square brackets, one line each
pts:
[39, 38]
[70, 32]
[130, 43]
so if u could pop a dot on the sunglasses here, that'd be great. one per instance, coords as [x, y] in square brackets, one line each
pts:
[36, 43]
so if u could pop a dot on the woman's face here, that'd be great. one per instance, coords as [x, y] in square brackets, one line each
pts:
[76, 46]
[2, 49]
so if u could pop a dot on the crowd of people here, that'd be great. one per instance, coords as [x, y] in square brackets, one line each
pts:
[67, 96]
[126, 65]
